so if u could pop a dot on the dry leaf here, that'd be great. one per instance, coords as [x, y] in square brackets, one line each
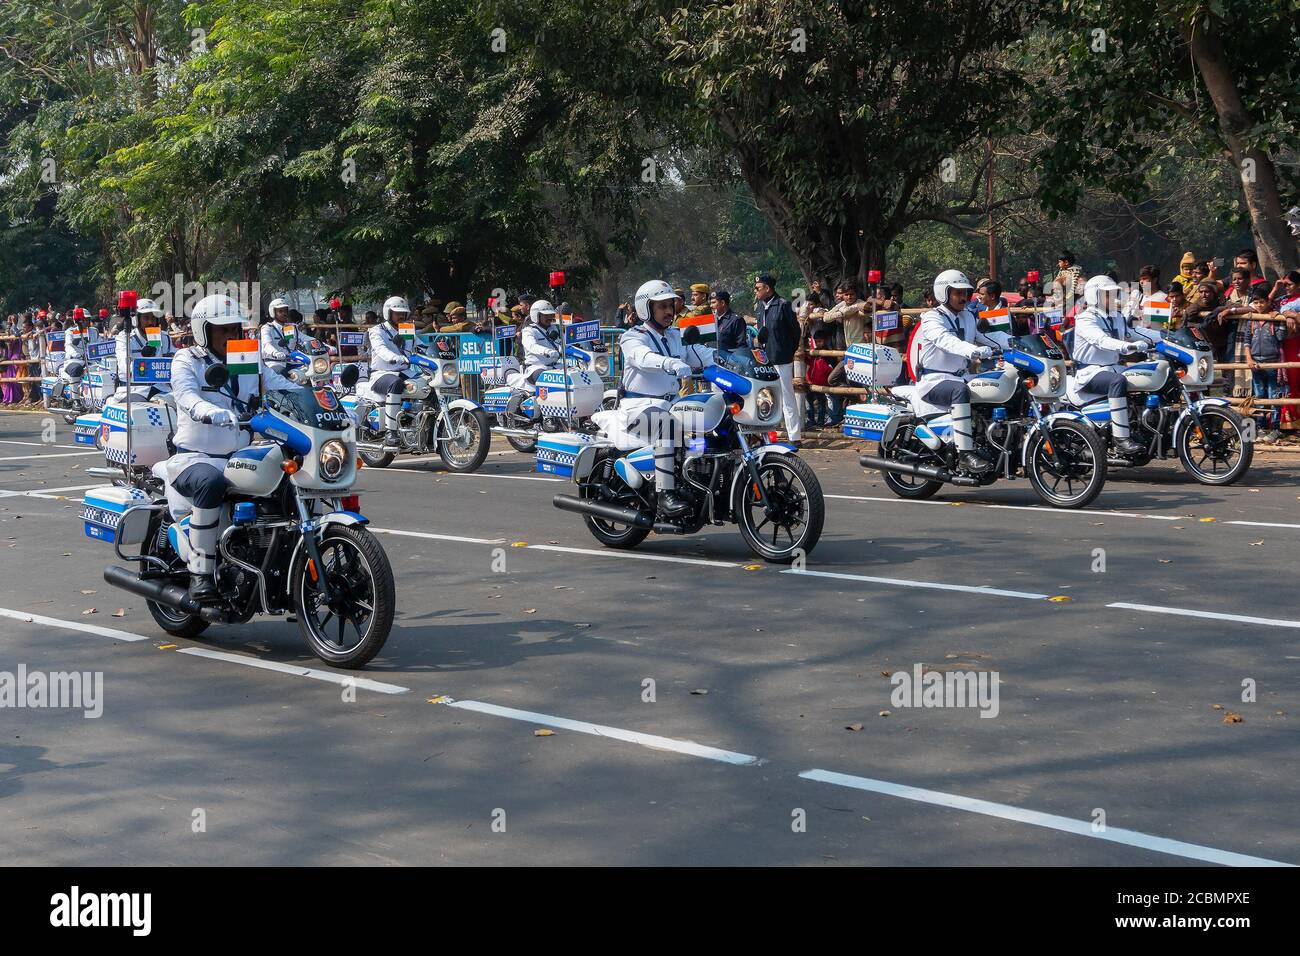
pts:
[1256, 544]
[853, 727]
[544, 732]
[700, 690]
[753, 567]
[88, 591]
[1218, 707]
[1164, 560]
[530, 610]
[518, 544]
[1207, 519]
[884, 713]
[1060, 598]
[1231, 718]
[89, 610]
[120, 612]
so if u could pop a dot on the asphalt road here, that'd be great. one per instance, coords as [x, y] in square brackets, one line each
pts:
[1106, 701]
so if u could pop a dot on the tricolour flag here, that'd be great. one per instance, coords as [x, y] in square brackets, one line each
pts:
[706, 323]
[1157, 311]
[290, 333]
[406, 331]
[154, 336]
[243, 357]
[999, 319]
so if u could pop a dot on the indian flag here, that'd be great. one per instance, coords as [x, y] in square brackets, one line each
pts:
[154, 337]
[1157, 311]
[243, 357]
[706, 323]
[290, 334]
[999, 319]
[406, 331]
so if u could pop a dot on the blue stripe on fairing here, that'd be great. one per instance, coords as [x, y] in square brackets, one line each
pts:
[265, 423]
[253, 452]
[923, 431]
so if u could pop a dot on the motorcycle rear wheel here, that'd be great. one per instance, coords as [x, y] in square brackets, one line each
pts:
[610, 533]
[174, 621]
[911, 487]
[513, 418]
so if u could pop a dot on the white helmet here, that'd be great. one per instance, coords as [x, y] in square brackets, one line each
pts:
[395, 303]
[149, 307]
[1094, 288]
[656, 290]
[539, 308]
[949, 279]
[276, 303]
[215, 310]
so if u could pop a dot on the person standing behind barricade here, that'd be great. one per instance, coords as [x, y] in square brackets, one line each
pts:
[1067, 287]
[849, 317]
[776, 315]
[733, 332]
[1264, 345]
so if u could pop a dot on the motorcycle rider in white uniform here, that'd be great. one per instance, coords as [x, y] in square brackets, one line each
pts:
[390, 364]
[1101, 336]
[274, 345]
[541, 341]
[949, 340]
[207, 432]
[76, 342]
[133, 343]
[654, 362]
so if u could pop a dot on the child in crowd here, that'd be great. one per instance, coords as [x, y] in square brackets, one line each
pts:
[819, 372]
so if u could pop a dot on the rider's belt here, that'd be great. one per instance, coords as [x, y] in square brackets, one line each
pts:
[624, 393]
[182, 450]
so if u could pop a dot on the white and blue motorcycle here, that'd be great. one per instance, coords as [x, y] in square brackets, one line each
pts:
[292, 540]
[730, 470]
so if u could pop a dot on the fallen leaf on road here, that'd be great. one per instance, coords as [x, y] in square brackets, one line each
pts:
[563, 587]
[518, 544]
[886, 673]
[90, 610]
[1231, 718]
[88, 591]
[700, 690]
[853, 727]
[166, 647]
[1218, 707]
[1256, 544]
[753, 567]
[1207, 519]
[440, 699]
[530, 610]
[544, 732]
[1164, 560]
[120, 612]
[1060, 598]
[884, 713]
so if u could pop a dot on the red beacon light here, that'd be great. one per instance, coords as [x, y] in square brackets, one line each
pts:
[873, 277]
[1032, 275]
[336, 303]
[557, 280]
[127, 299]
[103, 313]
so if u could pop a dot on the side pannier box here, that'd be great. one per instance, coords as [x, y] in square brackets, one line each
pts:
[102, 509]
[868, 420]
[867, 364]
[557, 453]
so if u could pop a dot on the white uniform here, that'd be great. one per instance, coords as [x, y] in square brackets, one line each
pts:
[388, 362]
[1099, 340]
[130, 346]
[200, 443]
[75, 346]
[651, 362]
[274, 346]
[541, 351]
[947, 344]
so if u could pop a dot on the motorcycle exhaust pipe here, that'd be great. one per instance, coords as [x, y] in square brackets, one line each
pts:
[513, 432]
[161, 592]
[918, 471]
[99, 472]
[603, 509]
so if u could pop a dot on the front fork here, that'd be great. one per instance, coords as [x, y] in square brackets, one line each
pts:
[751, 465]
[308, 528]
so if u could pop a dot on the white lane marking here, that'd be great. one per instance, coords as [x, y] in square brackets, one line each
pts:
[438, 537]
[634, 556]
[1262, 524]
[43, 492]
[30, 618]
[65, 454]
[653, 741]
[34, 444]
[1188, 612]
[1191, 851]
[932, 585]
[1040, 508]
[471, 474]
[297, 670]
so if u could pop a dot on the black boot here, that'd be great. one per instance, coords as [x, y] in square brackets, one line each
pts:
[671, 504]
[975, 463]
[203, 587]
[1128, 448]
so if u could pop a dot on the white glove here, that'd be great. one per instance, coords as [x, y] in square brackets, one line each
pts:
[403, 362]
[222, 417]
[679, 368]
[1131, 348]
[984, 352]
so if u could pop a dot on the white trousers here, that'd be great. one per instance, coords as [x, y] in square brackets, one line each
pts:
[790, 403]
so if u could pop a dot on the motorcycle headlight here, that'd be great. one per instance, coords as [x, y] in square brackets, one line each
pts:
[603, 365]
[410, 385]
[1054, 378]
[333, 459]
[765, 403]
[1203, 368]
[320, 365]
[450, 374]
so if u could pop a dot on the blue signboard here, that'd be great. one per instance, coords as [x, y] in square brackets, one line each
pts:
[886, 321]
[582, 331]
[473, 350]
[104, 349]
[507, 331]
[352, 339]
[151, 370]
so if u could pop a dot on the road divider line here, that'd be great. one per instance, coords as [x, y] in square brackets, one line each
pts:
[930, 585]
[1144, 841]
[34, 444]
[469, 474]
[634, 556]
[29, 618]
[65, 454]
[297, 670]
[1262, 524]
[1214, 615]
[437, 537]
[652, 741]
[1043, 509]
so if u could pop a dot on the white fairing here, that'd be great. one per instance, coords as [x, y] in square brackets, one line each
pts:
[1144, 378]
[255, 470]
[1052, 382]
[699, 414]
[987, 390]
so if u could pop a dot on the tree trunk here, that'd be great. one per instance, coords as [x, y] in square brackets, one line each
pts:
[1276, 247]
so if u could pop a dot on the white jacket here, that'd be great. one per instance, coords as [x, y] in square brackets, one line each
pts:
[386, 352]
[948, 342]
[541, 350]
[196, 400]
[649, 359]
[74, 346]
[274, 346]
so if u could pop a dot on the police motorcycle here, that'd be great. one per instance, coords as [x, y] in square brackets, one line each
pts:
[731, 469]
[293, 541]
[1013, 426]
[562, 399]
[1211, 440]
[431, 419]
[63, 387]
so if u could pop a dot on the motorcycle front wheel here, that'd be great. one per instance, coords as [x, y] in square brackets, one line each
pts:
[792, 523]
[349, 628]
[465, 448]
[1215, 452]
[1067, 468]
